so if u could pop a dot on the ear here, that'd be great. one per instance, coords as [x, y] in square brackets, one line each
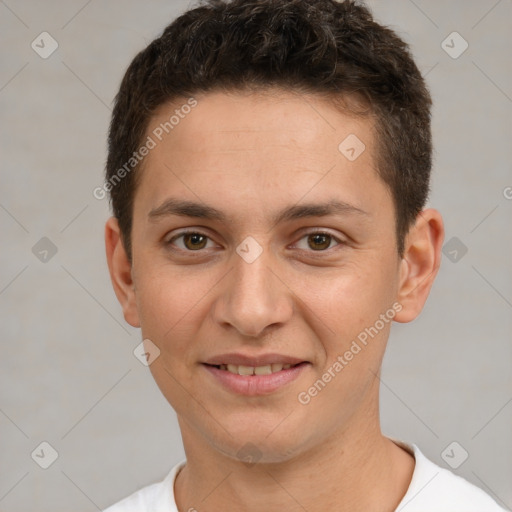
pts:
[420, 263]
[120, 272]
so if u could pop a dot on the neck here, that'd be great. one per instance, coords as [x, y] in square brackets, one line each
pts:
[356, 469]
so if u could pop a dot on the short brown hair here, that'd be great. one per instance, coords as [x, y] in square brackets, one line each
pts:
[312, 46]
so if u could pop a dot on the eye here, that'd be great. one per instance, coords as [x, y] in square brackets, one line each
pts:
[195, 241]
[319, 241]
[192, 241]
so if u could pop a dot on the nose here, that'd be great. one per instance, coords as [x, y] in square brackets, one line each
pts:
[254, 298]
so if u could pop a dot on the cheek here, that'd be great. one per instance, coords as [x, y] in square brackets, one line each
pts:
[169, 305]
[171, 311]
[348, 300]
[350, 305]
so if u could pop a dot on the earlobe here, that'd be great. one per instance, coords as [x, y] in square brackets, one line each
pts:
[420, 263]
[120, 272]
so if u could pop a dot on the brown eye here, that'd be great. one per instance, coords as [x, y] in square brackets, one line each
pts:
[319, 241]
[192, 241]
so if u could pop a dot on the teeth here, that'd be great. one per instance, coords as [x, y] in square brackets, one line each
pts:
[258, 370]
[263, 370]
[245, 370]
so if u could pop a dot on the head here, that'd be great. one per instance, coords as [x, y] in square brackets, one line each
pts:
[291, 140]
[327, 48]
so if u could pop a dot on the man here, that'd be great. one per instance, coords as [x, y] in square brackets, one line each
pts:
[268, 168]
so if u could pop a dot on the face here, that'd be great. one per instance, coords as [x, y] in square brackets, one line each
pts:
[261, 245]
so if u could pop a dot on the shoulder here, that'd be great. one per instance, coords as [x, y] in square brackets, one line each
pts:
[437, 489]
[157, 497]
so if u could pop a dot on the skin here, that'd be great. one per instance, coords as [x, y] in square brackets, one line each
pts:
[251, 155]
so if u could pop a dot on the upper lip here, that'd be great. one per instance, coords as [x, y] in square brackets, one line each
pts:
[254, 361]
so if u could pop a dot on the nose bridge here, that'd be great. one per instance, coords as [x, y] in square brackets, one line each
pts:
[253, 298]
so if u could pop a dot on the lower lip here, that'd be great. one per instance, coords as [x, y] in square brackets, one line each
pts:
[252, 385]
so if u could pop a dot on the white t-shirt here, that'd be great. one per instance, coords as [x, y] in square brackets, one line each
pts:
[432, 489]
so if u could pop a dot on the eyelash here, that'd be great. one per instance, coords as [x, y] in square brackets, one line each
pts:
[309, 233]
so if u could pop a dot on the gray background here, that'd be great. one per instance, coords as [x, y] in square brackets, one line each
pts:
[67, 372]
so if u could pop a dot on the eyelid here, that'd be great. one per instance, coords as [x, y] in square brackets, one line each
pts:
[187, 232]
[306, 232]
[321, 231]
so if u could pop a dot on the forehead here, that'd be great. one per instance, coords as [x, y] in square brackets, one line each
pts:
[242, 119]
[255, 145]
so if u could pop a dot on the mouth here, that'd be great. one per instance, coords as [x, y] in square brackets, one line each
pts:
[268, 369]
[263, 379]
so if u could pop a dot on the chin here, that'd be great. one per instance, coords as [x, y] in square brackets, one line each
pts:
[250, 443]
[260, 451]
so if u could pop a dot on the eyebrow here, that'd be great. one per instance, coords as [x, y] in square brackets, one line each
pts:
[184, 208]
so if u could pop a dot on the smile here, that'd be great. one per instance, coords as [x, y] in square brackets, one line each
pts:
[254, 380]
[254, 370]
